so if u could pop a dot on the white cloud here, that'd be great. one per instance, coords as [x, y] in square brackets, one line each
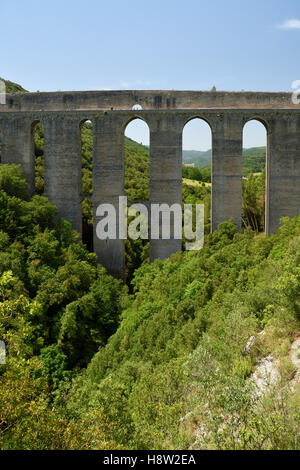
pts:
[290, 24]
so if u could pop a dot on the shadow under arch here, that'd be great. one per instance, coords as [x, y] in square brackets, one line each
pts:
[37, 155]
[255, 179]
[86, 145]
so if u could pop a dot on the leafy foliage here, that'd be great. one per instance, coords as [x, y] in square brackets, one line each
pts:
[198, 174]
[180, 347]
[51, 268]
[12, 87]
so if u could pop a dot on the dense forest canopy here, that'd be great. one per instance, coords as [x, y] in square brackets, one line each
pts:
[174, 347]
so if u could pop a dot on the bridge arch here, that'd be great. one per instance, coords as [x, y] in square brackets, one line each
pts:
[137, 107]
[132, 118]
[197, 136]
[258, 119]
[255, 174]
[201, 118]
[136, 132]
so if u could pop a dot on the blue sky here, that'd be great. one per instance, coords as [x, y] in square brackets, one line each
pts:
[165, 44]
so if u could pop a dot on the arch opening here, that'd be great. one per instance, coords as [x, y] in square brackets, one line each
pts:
[196, 166]
[136, 160]
[137, 107]
[136, 187]
[37, 139]
[254, 170]
[86, 151]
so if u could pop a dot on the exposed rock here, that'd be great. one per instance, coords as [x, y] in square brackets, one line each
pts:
[295, 358]
[295, 353]
[188, 415]
[251, 341]
[266, 375]
[249, 345]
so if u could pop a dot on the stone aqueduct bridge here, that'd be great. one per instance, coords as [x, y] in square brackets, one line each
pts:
[166, 113]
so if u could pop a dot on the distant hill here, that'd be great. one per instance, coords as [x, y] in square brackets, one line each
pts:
[254, 159]
[12, 87]
[198, 157]
[143, 149]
